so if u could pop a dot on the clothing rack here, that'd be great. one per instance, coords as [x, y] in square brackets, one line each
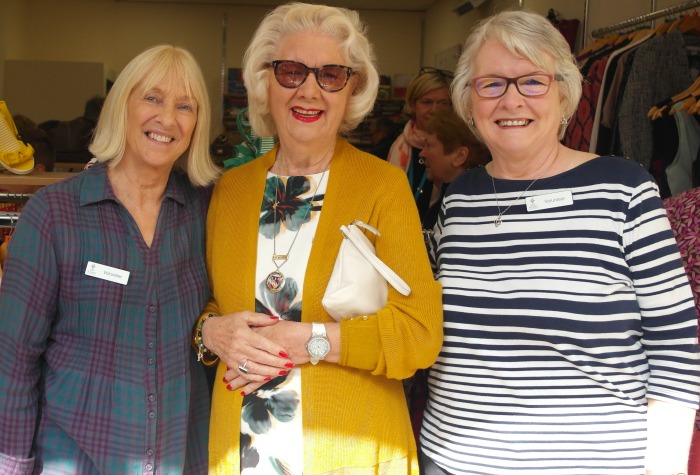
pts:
[11, 216]
[641, 19]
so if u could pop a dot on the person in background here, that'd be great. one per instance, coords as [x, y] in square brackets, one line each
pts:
[382, 134]
[426, 93]
[570, 329]
[450, 149]
[296, 391]
[104, 277]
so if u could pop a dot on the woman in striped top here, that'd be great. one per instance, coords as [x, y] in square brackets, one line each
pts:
[570, 340]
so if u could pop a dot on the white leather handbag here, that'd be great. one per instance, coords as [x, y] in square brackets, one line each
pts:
[359, 282]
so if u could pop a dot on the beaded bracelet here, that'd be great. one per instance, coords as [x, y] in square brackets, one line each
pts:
[198, 343]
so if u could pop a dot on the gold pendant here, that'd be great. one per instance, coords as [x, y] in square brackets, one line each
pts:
[275, 281]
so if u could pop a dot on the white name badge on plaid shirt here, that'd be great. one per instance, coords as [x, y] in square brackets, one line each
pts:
[102, 271]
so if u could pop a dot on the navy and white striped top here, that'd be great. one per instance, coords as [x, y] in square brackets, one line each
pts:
[559, 324]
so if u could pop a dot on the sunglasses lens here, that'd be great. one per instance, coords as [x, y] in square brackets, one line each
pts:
[290, 74]
[333, 78]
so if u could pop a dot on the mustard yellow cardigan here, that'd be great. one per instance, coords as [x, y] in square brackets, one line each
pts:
[355, 418]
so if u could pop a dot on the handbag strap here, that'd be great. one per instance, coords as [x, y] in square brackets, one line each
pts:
[392, 277]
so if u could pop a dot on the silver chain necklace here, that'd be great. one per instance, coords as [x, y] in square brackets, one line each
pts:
[497, 222]
[276, 280]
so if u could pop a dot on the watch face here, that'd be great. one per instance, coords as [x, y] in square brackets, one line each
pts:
[318, 346]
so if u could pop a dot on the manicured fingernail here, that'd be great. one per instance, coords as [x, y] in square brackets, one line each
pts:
[224, 379]
[274, 317]
[268, 378]
[228, 386]
[283, 354]
[228, 369]
[283, 373]
[242, 393]
[289, 365]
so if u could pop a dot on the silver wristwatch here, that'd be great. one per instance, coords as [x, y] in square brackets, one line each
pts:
[318, 345]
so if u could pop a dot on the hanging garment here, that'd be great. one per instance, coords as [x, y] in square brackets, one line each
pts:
[659, 70]
[680, 172]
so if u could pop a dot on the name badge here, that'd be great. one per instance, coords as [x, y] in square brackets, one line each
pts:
[551, 200]
[104, 272]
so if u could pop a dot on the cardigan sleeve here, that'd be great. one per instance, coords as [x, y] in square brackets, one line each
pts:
[406, 334]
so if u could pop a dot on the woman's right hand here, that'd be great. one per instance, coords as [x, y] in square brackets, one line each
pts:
[232, 339]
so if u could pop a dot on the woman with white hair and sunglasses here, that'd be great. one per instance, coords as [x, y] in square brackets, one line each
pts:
[296, 391]
[570, 330]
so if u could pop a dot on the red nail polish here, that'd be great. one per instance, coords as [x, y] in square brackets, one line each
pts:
[283, 354]
[242, 393]
[289, 365]
[283, 373]
[224, 379]
[274, 317]
[268, 378]
[228, 386]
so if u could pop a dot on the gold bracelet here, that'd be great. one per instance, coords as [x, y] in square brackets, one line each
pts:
[198, 343]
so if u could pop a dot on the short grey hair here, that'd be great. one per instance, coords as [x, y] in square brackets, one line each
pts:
[342, 24]
[528, 35]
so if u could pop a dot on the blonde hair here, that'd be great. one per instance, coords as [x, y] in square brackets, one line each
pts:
[145, 71]
[527, 35]
[421, 85]
[342, 24]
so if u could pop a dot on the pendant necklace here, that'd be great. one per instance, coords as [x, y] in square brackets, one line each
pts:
[497, 222]
[276, 280]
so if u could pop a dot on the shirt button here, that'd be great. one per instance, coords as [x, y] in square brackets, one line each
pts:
[149, 452]
[151, 361]
[152, 308]
[149, 467]
[151, 397]
[364, 317]
[151, 415]
[151, 344]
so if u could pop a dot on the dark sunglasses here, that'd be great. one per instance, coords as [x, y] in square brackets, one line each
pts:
[292, 74]
[441, 72]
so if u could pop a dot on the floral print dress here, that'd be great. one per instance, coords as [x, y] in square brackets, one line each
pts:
[271, 417]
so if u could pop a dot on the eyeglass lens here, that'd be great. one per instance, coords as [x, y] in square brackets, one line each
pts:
[330, 77]
[529, 85]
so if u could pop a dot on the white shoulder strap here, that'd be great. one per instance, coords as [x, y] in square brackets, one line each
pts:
[394, 280]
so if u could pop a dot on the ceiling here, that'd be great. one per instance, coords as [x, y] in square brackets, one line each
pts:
[390, 5]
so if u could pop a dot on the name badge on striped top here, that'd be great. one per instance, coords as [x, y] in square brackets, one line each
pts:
[551, 200]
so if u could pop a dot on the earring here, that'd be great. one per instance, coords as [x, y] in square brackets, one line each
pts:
[470, 121]
[565, 120]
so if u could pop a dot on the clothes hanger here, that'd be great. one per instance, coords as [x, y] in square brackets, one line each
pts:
[690, 24]
[657, 110]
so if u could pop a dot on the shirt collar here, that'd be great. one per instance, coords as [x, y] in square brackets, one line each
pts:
[96, 186]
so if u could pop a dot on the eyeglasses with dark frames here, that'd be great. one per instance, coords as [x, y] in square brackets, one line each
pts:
[528, 85]
[292, 74]
[441, 72]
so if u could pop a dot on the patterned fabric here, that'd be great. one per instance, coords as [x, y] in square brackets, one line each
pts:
[684, 214]
[272, 438]
[354, 412]
[104, 369]
[559, 324]
[400, 153]
[578, 133]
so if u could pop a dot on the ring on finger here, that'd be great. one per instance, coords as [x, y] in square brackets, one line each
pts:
[243, 368]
